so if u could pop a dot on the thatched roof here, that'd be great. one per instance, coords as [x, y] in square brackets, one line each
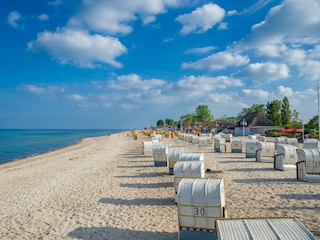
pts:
[225, 123]
[254, 119]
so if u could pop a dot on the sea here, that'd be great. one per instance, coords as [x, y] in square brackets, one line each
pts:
[20, 143]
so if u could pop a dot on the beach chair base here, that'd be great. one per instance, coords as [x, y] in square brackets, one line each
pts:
[193, 234]
[160, 164]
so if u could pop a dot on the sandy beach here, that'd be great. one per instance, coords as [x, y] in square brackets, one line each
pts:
[105, 188]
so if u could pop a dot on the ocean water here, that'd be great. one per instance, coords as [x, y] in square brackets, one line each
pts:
[19, 143]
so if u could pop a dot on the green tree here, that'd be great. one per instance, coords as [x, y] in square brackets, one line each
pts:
[312, 127]
[160, 123]
[170, 122]
[295, 119]
[273, 112]
[313, 123]
[187, 119]
[203, 114]
[285, 112]
[253, 108]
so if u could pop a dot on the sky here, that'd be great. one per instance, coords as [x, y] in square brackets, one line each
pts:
[127, 64]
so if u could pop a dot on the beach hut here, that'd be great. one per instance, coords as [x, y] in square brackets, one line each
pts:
[200, 202]
[281, 140]
[286, 157]
[251, 149]
[160, 154]
[203, 143]
[209, 138]
[187, 169]
[220, 144]
[227, 137]
[156, 137]
[174, 154]
[310, 143]
[266, 152]
[262, 229]
[252, 137]
[191, 157]
[308, 165]
[195, 139]
[236, 146]
[189, 138]
[185, 137]
[257, 135]
[147, 147]
[262, 139]
[205, 140]
[291, 141]
[181, 136]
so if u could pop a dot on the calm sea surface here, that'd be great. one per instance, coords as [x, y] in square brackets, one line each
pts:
[20, 143]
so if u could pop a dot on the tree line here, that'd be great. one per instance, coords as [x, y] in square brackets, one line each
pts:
[277, 111]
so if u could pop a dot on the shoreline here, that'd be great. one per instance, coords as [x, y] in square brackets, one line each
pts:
[57, 148]
[105, 188]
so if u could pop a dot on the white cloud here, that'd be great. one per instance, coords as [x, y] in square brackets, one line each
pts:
[202, 19]
[264, 72]
[218, 61]
[203, 84]
[272, 50]
[115, 17]
[148, 19]
[221, 97]
[223, 26]
[79, 48]
[32, 88]
[232, 12]
[43, 17]
[55, 3]
[315, 53]
[256, 93]
[42, 91]
[256, 7]
[133, 81]
[306, 62]
[285, 91]
[14, 19]
[76, 97]
[291, 22]
[202, 50]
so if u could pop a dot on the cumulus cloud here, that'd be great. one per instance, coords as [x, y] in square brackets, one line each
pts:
[133, 81]
[202, 19]
[115, 17]
[288, 23]
[256, 93]
[14, 19]
[200, 51]
[32, 88]
[306, 62]
[218, 61]
[42, 91]
[206, 83]
[264, 72]
[43, 17]
[221, 97]
[285, 91]
[79, 48]
[232, 12]
[223, 26]
[76, 97]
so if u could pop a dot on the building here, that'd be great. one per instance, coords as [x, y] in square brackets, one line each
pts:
[253, 123]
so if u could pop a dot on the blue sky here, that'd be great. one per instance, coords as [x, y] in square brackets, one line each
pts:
[127, 64]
